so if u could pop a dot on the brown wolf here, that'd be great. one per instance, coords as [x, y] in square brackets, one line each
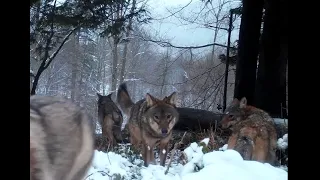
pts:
[150, 122]
[255, 139]
[61, 139]
[239, 110]
[110, 119]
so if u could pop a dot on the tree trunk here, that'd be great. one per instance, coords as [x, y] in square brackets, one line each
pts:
[114, 64]
[125, 50]
[163, 90]
[248, 49]
[37, 77]
[75, 65]
[271, 81]
[49, 80]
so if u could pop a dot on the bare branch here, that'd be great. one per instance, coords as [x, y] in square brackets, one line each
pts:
[173, 151]
[173, 13]
[168, 44]
[59, 48]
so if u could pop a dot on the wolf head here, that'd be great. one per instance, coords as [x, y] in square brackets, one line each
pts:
[233, 113]
[161, 115]
[104, 99]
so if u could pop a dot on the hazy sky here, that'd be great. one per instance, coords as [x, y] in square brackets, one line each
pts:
[183, 35]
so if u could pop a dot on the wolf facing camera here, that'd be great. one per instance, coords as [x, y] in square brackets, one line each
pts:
[150, 122]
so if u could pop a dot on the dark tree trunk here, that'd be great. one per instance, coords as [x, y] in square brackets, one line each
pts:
[248, 49]
[270, 92]
[36, 80]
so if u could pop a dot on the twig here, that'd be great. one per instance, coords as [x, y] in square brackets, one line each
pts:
[108, 153]
[97, 172]
[173, 151]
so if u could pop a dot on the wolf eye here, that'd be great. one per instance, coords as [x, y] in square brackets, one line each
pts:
[168, 116]
[156, 117]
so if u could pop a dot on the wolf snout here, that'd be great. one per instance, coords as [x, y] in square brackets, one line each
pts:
[164, 131]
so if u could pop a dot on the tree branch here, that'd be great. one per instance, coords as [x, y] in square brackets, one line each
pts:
[59, 48]
[174, 13]
[168, 44]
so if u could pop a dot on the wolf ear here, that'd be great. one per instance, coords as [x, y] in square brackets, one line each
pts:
[235, 101]
[171, 99]
[243, 102]
[109, 95]
[150, 100]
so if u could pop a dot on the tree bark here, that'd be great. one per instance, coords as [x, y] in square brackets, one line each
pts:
[196, 119]
[114, 64]
[248, 49]
[270, 92]
[75, 66]
[125, 50]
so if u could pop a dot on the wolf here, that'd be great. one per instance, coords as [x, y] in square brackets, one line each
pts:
[239, 110]
[110, 119]
[150, 122]
[255, 139]
[61, 139]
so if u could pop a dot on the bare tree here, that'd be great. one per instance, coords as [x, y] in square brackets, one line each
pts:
[127, 40]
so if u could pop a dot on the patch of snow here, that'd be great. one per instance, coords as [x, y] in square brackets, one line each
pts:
[224, 147]
[164, 151]
[282, 143]
[109, 164]
[217, 165]
[132, 79]
[206, 141]
[280, 121]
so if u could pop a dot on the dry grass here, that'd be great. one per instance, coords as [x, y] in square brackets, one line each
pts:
[217, 138]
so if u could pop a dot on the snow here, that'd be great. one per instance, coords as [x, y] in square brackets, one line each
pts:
[280, 121]
[225, 164]
[206, 141]
[224, 147]
[163, 151]
[283, 142]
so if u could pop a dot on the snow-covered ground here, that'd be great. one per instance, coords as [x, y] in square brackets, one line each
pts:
[280, 121]
[217, 165]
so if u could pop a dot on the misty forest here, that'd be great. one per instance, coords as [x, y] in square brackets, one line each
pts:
[208, 51]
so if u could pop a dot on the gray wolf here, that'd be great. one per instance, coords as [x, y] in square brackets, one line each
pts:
[255, 139]
[110, 119]
[239, 110]
[254, 134]
[61, 139]
[150, 122]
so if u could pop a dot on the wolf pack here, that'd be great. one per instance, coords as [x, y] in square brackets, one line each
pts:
[62, 137]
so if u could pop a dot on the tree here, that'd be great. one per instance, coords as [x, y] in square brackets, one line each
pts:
[248, 49]
[52, 25]
[44, 36]
[127, 40]
[270, 93]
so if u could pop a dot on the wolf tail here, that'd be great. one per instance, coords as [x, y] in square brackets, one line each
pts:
[124, 100]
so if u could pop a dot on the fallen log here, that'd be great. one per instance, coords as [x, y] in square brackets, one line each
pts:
[197, 119]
